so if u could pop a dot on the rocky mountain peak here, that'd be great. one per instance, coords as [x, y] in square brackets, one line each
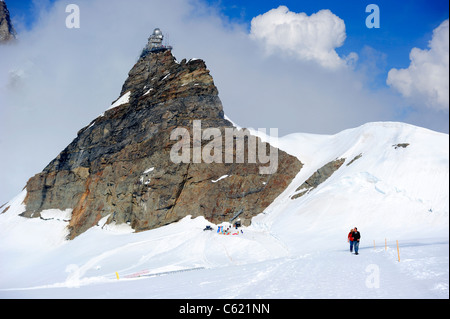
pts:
[7, 32]
[120, 167]
[158, 77]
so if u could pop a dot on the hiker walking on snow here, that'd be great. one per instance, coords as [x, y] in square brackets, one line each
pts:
[350, 239]
[356, 237]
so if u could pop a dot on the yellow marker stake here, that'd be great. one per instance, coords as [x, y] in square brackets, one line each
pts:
[117, 275]
[398, 252]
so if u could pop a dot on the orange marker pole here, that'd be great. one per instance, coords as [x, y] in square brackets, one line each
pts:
[385, 244]
[398, 252]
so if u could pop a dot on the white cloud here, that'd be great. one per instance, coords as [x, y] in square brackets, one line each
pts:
[426, 81]
[309, 38]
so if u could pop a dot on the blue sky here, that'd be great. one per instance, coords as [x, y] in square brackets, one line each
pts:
[404, 24]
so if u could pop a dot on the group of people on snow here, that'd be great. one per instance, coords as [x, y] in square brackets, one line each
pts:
[228, 231]
[353, 238]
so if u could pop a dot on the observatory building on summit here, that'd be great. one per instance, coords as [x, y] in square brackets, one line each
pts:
[155, 42]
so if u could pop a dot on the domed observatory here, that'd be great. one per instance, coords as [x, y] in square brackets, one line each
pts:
[155, 43]
[155, 40]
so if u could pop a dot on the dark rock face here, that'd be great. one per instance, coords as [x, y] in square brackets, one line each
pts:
[7, 32]
[402, 145]
[120, 166]
[319, 176]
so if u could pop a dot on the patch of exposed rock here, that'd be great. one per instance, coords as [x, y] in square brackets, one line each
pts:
[7, 32]
[319, 176]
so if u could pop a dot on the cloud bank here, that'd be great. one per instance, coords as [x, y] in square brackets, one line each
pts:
[426, 81]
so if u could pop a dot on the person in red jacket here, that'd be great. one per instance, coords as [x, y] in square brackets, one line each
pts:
[350, 239]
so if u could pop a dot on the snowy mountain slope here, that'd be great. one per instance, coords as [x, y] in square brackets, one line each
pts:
[296, 249]
[389, 191]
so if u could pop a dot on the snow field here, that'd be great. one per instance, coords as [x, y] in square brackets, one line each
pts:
[294, 249]
[374, 273]
[99, 253]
